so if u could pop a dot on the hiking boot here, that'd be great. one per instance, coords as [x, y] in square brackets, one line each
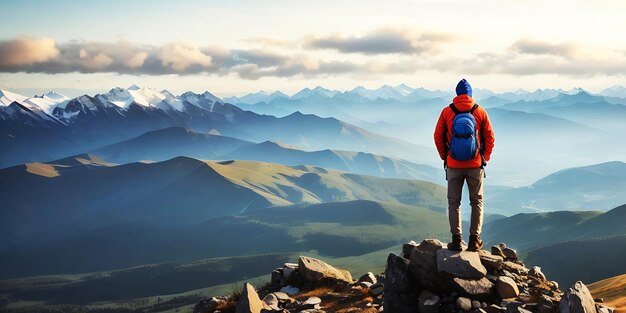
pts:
[475, 244]
[457, 243]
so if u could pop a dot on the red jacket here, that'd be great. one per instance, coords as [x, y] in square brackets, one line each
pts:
[443, 132]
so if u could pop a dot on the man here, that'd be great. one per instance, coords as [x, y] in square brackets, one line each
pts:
[464, 139]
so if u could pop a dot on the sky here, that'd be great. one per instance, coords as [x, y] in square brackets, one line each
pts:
[237, 47]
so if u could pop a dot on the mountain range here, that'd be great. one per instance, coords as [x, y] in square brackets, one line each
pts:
[87, 122]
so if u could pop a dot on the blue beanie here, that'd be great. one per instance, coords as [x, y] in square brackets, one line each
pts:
[463, 88]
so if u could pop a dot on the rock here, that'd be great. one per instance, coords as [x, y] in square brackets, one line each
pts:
[514, 267]
[271, 301]
[249, 301]
[407, 248]
[476, 289]
[490, 261]
[397, 274]
[598, 300]
[365, 284]
[314, 270]
[428, 302]
[290, 290]
[546, 305]
[536, 272]
[312, 301]
[288, 269]
[506, 287]
[496, 250]
[282, 297]
[604, 309]
[476, 304]
[277, 277]
[209, 305]
[510, 254]
[369, 277]
[577, 299]
[430, 245]
[464, 304]
[555, 284]
[377, 291]
[478, 310]
[395, 302]
[464, 264]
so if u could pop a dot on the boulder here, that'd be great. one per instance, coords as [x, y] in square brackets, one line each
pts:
[476, 304]
[464, 264]
[369, 277]
[249, 301]
[497, 250]
[506, 287]
[288, 269]
[365, 284]
[400, 302]
[536, 272]
[464, 304]
[397, 274]
[376, 291]
[314, 270]
[277, 277]
[490, 261]
[577, 299]
[430, 245]
[271, 301]
[510, 254]
[407, 248]
[428, 302]
[209, 305]
[473, 288]
[514, 267]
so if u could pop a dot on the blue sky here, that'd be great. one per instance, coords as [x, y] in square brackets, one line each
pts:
[235, 47]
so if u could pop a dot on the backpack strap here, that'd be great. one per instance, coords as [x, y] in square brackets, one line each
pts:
[457, 111]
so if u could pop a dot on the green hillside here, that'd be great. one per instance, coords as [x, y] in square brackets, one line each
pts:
[82, 194]
[586, 260]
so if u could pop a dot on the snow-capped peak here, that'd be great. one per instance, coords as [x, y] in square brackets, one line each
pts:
[144, 96]
[55, 96]
[133, 87]
[7, 97]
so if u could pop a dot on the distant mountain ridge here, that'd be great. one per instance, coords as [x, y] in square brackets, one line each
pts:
[88, 122]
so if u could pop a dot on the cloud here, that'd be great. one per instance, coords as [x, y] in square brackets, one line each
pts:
[180, 56]
[384, 41]
[24, 51]
[409, 51]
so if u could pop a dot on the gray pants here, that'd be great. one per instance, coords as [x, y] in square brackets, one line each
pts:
[456, 177]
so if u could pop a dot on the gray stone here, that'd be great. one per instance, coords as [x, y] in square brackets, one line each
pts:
[312, 301]
[577, 299]
[464, 304]
[288, 269]
[514, 267]
[476, 289]
[490, 261]
[365, 284]
[536, 272]
[476, 304]
[277, 277]
[249, 301]
[271, 301]
[464, 264]
[510, 254]
[407, 248]
[397, 274]
[506, 287]
[314, 270]
[283, 297]
[395, 302]
[369, 277]
[428, 302]
[430, 245]
[375, 292]
[497, 250]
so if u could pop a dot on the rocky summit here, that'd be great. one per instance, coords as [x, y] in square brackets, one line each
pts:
[426, 278]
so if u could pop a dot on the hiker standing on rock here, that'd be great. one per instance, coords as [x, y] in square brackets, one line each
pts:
[464, 139]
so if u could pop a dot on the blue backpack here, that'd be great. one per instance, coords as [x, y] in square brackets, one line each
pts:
[464, 142]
